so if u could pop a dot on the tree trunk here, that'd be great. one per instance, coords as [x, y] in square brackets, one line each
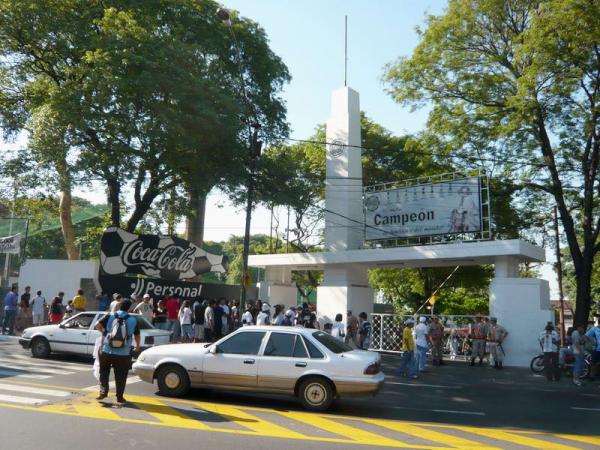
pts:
[583, 279]
[65, 209]
[195, 220]
[114, 198]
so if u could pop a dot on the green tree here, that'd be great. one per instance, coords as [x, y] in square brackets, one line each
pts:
[519, 82]
[145, 94]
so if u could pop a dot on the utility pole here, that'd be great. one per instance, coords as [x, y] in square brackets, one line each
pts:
[561, 297]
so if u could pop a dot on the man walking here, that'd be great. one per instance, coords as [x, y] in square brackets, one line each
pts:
[38, 305]
[479, 332]
[578, 346]
[496, 336]
[594, 333]
[24, 309]
[549, 340]
[408, 348]
[421, 342]
[10, 311]
[119, 330]
[436, 337]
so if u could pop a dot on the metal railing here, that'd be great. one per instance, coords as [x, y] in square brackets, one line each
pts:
[386, 331]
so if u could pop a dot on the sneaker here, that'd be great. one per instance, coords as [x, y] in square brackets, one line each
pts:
[121, 401]
[101, 396]
[577, 383]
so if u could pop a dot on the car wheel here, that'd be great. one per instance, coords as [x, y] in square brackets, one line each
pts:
[172, 380]
[40, 348]
[537, 364]
[316, 394]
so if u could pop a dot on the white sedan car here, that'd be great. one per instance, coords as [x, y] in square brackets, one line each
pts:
[305, 363]
[78, 334]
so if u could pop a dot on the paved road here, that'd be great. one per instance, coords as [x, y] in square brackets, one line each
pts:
[49, 404]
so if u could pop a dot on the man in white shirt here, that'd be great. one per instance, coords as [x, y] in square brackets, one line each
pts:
[224, 317]
[420, 333]
[549, 340]
[209, 321]
[262, 318]
[37, 309]
[247, 318]
[145, 308]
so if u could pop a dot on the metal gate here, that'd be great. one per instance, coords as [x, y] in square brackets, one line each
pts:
[386, 332]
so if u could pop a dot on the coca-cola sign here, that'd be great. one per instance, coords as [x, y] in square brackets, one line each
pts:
[167, 257]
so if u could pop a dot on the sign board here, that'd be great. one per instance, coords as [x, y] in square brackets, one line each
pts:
[448, 207]
[166, 257]
[10, 244]
[157, 288]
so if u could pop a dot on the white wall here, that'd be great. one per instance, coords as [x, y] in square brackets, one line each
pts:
[54, 275]
[522, 306]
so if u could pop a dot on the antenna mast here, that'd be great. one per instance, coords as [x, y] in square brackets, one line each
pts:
[345, 51]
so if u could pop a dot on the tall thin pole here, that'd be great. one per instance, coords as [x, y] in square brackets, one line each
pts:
[345, 51]
[271, 232]
[561, 296]
[287, 233]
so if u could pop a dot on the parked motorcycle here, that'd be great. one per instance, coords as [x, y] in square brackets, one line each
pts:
[566, 362]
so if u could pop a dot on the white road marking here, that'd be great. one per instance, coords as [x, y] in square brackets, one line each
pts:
[417, 384]
[33, 390]
[130, 380]
[22, 400]
[26, 368]
[17, 373]
[47, 364]
[585, 409]
[472, 413]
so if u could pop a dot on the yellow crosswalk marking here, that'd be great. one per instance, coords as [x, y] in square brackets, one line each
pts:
[256, 424]
[352, 434]
[165, 414]
[515, 438]
[83, 408]
[594, 440]
[430, 435]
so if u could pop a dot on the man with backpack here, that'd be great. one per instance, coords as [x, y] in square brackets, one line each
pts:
[119, 330]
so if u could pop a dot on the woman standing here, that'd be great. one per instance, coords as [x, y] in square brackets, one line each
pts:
[338, 330]
[56, 310]
[185, 320]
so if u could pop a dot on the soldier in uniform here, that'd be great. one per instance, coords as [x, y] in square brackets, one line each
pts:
[436, 337]
[479, 332]
[496, 335]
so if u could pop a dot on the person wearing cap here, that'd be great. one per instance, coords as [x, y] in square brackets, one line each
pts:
[421, 331]
[549, 340]
[262, 318]
[145, 308]
[119, 359]
[496, 335]
[479, 333]
[407, 363]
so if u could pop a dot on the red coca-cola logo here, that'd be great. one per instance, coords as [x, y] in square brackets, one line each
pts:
[172, 257]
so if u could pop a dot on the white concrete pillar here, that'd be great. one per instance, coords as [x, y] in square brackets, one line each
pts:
[506, 267]
[344, 288]
[277, 287]
[344, 218]
[522, 306]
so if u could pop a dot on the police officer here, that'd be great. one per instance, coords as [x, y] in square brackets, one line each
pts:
[479, 332]
[496, 335]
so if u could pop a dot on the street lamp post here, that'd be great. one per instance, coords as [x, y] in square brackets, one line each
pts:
[254, 149]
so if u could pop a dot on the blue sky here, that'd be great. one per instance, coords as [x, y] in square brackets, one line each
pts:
[309, 36]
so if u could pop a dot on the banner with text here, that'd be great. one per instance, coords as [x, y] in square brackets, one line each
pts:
[157, 288]
[167, 257]
[10, 244]
[448, 207]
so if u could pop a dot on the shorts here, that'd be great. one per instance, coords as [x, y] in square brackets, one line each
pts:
[199, 331]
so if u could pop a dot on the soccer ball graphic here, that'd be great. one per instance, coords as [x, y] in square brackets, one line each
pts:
[113, 241]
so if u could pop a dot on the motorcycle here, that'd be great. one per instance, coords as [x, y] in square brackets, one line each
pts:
[566, 362]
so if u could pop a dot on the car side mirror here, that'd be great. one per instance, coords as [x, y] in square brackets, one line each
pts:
[215, 350]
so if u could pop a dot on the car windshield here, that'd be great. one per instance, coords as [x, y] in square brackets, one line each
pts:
[332, 344]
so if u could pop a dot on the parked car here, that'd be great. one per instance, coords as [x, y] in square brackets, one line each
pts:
[306, 363]
[78, 334]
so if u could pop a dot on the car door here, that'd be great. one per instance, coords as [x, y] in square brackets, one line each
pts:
[72, 335]
[284, 360]
[234, 364]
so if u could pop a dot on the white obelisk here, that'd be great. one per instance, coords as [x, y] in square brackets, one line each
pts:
[344, 287]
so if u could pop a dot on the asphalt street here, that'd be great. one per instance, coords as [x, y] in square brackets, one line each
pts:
[49, 404]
